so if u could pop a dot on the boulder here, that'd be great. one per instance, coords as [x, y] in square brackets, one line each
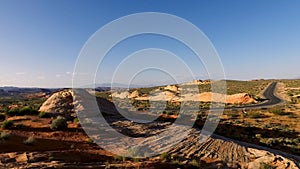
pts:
[59, 102]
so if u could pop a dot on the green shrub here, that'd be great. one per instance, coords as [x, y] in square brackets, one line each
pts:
[176, 162]
[269, 141]
[165, 156]
[279, 112]
[233, 115]
[60, 123]
[266, 166]
[6, 124]
[2, 117]
[4, 135]
[13, 112]
[28, 111]
[90, 141]
[51, 158]
[76, 120]
[297, 140]
[120, 158]
[255, 114]
[44, 115]
[133, 151]
[22, 111]
[293, 101]
[292, 115]
[258, 136]
[20, 126]
[135, 160]
[195, 163]
[30, 140]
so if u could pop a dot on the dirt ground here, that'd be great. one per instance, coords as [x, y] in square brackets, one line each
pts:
[229, 148]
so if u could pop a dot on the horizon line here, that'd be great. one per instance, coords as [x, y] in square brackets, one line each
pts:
[143, 85]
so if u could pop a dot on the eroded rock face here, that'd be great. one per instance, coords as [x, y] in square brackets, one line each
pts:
[173, 88]
[134, 94]
[60, 102]
[240, 98]
[121, 95]
[174, 93]
[197, 82]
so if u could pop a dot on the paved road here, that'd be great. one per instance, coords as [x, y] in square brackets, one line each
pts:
[269, 95]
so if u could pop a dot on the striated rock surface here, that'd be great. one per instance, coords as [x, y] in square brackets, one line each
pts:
[216, 151]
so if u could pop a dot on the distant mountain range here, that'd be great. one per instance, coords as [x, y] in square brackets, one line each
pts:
[11, 89]
[115, 86]
[120, 85]
[98, 87]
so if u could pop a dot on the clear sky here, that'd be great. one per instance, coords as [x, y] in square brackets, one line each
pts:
[41, 39]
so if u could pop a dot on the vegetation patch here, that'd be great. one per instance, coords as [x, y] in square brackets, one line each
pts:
[76, 120]
[30, 140]
[22, 111]
[44, 115]
[269, 141]
[90, 141]
[252, 87]
[254, 114]
[165, 156]
[266, 166]
[6, 124]
[2, 117]
[233, 114]
[279, 112]
[60, 123]
[195, 163]
[4, 135]
[120, 158]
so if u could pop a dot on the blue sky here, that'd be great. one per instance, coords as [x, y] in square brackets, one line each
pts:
[40, 40]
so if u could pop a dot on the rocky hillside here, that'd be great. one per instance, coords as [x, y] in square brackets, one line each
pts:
[172, 94]
[216, 150]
